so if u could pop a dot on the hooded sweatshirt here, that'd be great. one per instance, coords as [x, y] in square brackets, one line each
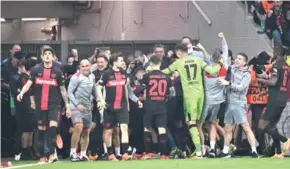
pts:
[239, 84]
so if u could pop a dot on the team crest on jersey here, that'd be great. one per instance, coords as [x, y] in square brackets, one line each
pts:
[111, 77]
[53, 75]
[39, 74]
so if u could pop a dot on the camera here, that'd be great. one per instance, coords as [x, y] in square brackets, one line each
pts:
[259, 69]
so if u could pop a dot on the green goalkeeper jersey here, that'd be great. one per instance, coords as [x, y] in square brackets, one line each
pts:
[191, 74]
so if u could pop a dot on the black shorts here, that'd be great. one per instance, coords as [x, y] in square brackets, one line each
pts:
[28, 122]
[113, 118]
[157, 118]
[175, 109]
[257, 111]
[273, 112]
[45, 116]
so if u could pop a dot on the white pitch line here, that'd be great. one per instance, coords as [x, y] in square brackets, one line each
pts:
[23, 166]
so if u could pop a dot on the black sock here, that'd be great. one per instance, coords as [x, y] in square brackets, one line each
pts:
[163, 143]
[277, 146]
[110, 150]
[261, 140]
[276, 135]
[125, 147]
[147, 142]
[51, 138]
[181, 138]
[156, 147]
[41, 136]
[220, 143]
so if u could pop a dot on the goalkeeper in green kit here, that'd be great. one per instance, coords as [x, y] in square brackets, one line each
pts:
[190, 70]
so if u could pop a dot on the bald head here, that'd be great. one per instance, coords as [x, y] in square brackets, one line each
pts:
[85, 66]
[84, 62]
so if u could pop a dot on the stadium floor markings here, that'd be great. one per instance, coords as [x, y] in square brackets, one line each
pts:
[24, 166]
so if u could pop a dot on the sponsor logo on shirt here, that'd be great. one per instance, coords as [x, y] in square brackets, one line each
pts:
[50, 82]
[116, 83]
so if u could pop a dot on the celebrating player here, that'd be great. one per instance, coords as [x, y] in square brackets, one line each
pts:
[277, 87]
[48, 88]
[116, 105]
[158, 86]
[190, 70]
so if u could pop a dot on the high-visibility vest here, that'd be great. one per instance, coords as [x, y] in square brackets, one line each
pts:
[255, 88]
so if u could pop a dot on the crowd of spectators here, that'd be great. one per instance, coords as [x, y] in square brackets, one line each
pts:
[275, 24]
[272, 18]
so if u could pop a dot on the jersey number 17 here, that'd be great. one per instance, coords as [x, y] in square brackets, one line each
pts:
[191, 70]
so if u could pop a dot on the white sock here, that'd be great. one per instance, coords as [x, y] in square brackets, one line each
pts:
[212, 145]
[203, 149]
[129, 148]
[117, 151]
[254, 149]
[226, 149]
[105, 149]
[55, 153]
[83, 153]
[73, 151]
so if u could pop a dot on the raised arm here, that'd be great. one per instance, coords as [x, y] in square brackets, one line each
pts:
[225, 50]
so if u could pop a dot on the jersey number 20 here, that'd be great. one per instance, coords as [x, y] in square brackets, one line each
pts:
[191, 71]
[158, 87]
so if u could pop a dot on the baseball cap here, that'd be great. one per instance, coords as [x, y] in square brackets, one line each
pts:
[45, 48]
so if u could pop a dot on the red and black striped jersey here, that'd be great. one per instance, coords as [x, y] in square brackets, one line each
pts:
[46, 86]
[114, 83]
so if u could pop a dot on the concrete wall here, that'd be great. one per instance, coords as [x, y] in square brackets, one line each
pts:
[161, 21]
[28, 30]
[37, 9]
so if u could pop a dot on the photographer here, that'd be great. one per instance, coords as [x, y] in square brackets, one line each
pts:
[140, 61]
[257, 97]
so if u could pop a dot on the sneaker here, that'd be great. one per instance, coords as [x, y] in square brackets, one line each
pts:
[137, 156]
[84, 158]
[278, 156]
[112, 157]
[119, 157]
[74, 158]
[286, 147]
[93, 157]
[145, 157]
[196, 155]
[52, 159]
[255, 155]
[232, 149]
[42, 160]
[163, 157]
[126, 157]
[211, 153]
[17, 157]
[59, 142]
[224, 155]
